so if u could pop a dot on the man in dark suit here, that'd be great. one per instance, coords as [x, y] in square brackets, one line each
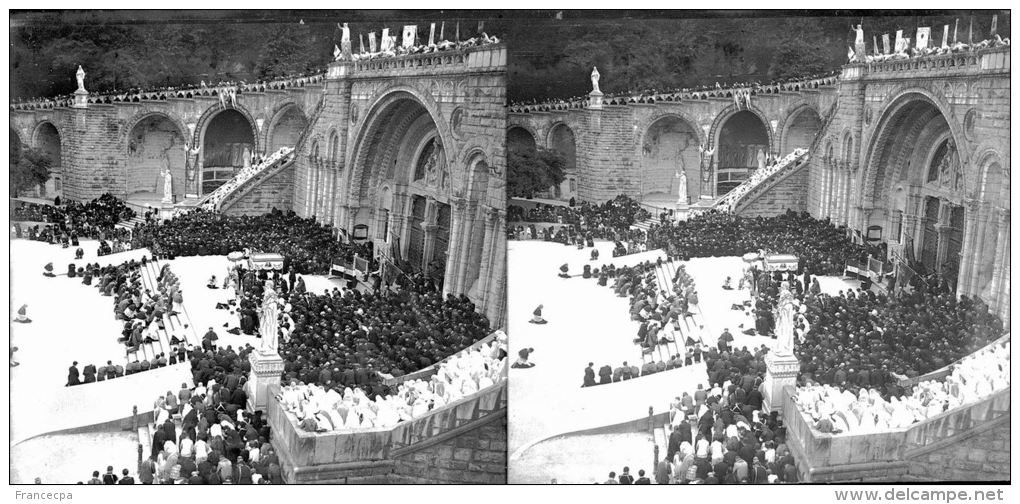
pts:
[90, 373]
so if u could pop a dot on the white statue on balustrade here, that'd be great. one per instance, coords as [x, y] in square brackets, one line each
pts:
[595, 80]
[81, 79]
[269, 322]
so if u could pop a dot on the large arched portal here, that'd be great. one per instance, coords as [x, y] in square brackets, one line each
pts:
[801, 130]
[520, 140]
[914, 151]
[15, 147]
[47, 139]
[401, 184]
[286, 129]
[670, 149]
[561, 139]
[227, 144]
[155, 144]
[743, 147]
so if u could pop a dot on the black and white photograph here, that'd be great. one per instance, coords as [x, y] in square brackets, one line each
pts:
[462, 252]
[760, 247]
[257, 247]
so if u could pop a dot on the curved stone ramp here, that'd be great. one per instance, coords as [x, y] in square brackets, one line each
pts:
[70, 457]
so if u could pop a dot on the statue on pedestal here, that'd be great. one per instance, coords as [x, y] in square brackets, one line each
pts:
[682, 198]
[786, 310]
[81, 79]
[168, 185]
[595, 80]
[269, 320]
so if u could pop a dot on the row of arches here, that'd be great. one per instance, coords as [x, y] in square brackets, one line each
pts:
[155, 142]
[671, 145]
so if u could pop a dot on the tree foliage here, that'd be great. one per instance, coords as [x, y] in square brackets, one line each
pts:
[29, 170]
[533, 171]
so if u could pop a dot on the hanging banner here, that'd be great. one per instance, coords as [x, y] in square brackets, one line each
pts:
[899, 41]
[885, 44]
[945, 37]
[410, 33]
[923, 34]
[432, 34]
[385, 42]
[372, 48]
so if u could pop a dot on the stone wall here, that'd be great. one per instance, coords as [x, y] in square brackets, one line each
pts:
[277, 191]
[983, 455]
[789, 193]
[475, 457]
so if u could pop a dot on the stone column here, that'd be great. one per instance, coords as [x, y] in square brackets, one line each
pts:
[781, 372]
[1000, 275]
[266, 370]
[456, 257]
[943, 228]
[495, 293]
[972, 256]
[430, 244]
[488, 252]
[971, 247]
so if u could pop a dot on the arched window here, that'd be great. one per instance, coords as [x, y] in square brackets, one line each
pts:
[334, 147]
[421, 166]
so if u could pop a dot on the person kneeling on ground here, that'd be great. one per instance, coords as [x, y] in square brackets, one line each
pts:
[22, 318]
[212, 283]
[728, 284]
[537, 318]
[563, 271]
[522, 359]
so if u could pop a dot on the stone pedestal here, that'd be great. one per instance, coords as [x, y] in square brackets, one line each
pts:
[81, 99]
[595, 100]
[782, 371]
[266, 370]
[166, 210]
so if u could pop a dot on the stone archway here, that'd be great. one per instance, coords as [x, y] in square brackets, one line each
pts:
[15, 144]
[401, 146]
[562, 140]
[154, 143]
[800, 129]
[227, 139]
[743, 145]
[285, 128]
[520, 139]
[669, 147]
[914, 148]
[47, 138]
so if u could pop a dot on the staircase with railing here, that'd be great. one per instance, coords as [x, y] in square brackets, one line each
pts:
[762, 180]
[249, 178]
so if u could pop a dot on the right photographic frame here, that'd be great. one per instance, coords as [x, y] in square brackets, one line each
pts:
[765, 247]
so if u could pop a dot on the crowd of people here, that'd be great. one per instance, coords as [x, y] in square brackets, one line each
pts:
[307, 245]
[696, 93]
[321, 409]
[68, 221]
[821, 247]
[391, 49]
[166, 92]
[581, 224]
[835, 410]
[219, 441]
[907, 51]
[347, 338]
[860, 340]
